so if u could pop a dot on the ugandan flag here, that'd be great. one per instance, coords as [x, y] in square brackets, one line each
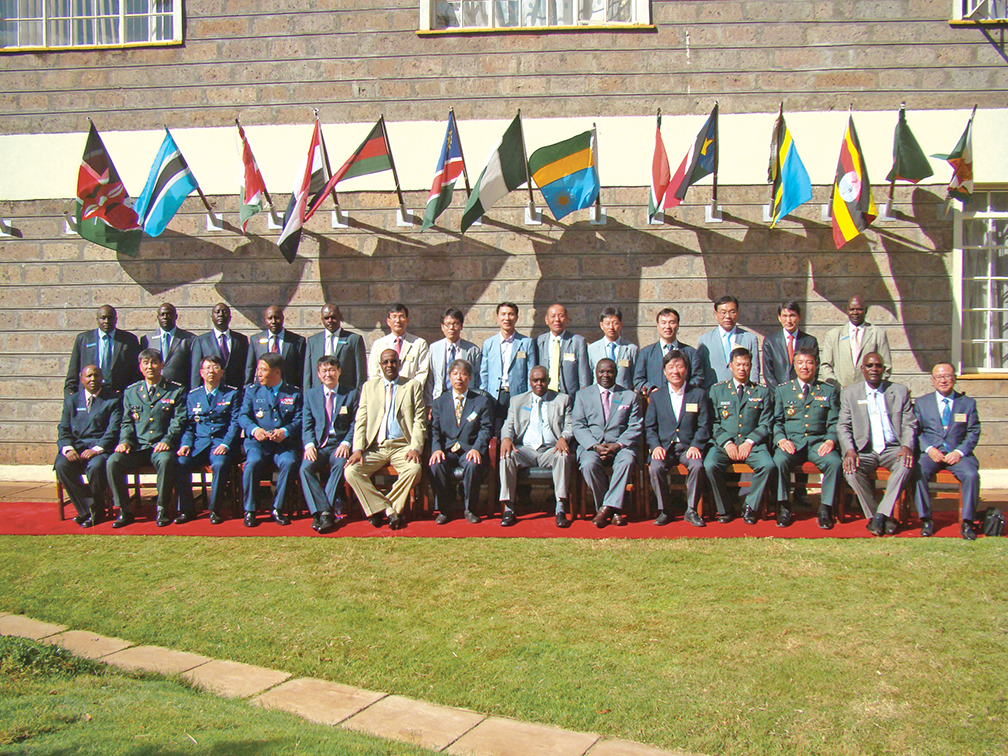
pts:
[372, 156]
[853, 205]
[566, 174]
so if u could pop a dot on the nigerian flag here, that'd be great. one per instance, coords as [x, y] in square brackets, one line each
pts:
[504, 171]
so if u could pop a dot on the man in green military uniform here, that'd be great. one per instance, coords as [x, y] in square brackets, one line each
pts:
[806, 412]
[154, 411]
[743, 421]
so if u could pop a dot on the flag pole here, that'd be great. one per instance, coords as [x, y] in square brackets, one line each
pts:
[716, 152]
[325, 159]
[465, 173]
[528, 177]
[775, 157]
[266, 193]
[598, 195]
[395, 176]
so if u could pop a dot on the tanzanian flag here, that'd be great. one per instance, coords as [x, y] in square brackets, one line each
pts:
[791, 185]
[566, 174]
[853, 205]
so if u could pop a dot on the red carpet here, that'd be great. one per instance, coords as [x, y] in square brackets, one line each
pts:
[27, 518]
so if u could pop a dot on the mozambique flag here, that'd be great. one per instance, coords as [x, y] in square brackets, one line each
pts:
[372, 156]
[961, 160]
[450, 166]
[505, 170]
[853, 205]
[791, 185]
[566, 174]
[909, 161]
[661, 175]
[103, 215]
[700, 162]
[253, 187]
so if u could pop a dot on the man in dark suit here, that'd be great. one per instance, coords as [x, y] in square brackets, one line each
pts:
[949, 432]
[677, 427]
[743, 424]
[112, 350]
[877, 428]
[461, 424]
[271, 418]
[327, 427]
[649, 368]
[563, 354]
[607, 427]
[152, 425]
[780, 346]
[277, 340]
[345, 346]
[174, 343]
[88, 430]
[231, 346]
[210, 438]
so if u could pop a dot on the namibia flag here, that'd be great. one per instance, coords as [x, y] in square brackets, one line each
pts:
[567, 174]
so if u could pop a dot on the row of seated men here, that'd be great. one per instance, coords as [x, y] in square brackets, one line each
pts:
[359, 431]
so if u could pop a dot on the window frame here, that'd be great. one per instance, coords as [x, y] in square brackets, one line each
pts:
[48, 16]
[963, 9]
[641, 20]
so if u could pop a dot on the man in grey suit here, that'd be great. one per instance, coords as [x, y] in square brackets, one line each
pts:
[843, 348]
[337, 341]
[175, 345]
[563, 354]
[221, 341]
[878, 428]
[445, 351]
[649, 370]
[715, 347]
[614, 346]
[536, 433]
[607, 427]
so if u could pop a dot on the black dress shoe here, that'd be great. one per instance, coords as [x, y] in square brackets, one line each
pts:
[967, 531]
[163, 520]
[927, 527]
[694, 519]
[443, 518]
[783, 516]
[603, 517]
[250, 520]
[377, 519]
[279, 517]
[825, 518]
[396, 521]
[725, 518]
[508, 519]
[183, 518]
[88, 523]
[619, 519]
[315, 520]
[562, 521]
[215, 519]
[472, 517]
[877, 525]
[891, 526]
[663, 518]
[79, 519]
[123, 520]
[326, 522]
[749, 516]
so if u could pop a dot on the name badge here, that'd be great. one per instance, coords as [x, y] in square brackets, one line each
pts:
[520, 356]
[623, 363]
[342, 410]
[456, 447]
[224, 403]
[692, 407]
[756, 398]
[569, 357]
[472, 416]
[959, 417]
[862, 401]
[264, 341]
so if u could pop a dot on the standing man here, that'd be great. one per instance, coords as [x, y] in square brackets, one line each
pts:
[677, 428]
[461, 424]
[345, 346]
[649, 370]
[806, 412]
[327, 430]
[390, 428]
[743, 424]
[715, 347]
[152, 425]
[780, 346]
[508, 358]
[949, 432]
[88, 430]
[210, 438]
[537, 433]
[878, 428]
[614, 346]
[271, 418]
[277, 340]
[174, 343]
[113, 351]
[607, 426]
[563, 354]
[843, 347]
[412, 351]
[220, 341]
[445, 351]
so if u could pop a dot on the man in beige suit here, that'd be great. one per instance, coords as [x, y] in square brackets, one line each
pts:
[390, 428]
[843, 348]
[413, 352]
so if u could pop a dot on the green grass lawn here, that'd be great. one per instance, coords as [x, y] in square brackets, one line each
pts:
[741, 646]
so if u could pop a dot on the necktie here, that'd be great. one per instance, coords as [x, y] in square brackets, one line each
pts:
[739, 391]
[330, 407]
[805, 391]
[87, 403]
[165, 345]
[398, 345]
[458, 409]
[224, 352]
[554, 364]
[104, 357]
[606, 406]
[533, 434]
[856, 343]
[790, 348]
[452, 351]
[330, 345]
[274, 344]
[612, 351]
[878, 434]
[726, 341]
[946, 412]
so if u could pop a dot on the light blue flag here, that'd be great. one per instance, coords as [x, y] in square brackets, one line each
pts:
[170, 181]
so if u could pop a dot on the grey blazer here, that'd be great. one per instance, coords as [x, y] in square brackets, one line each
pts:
[438, 352]
[575, 372]
[710, 354]
[854, 427]
[558, 415]
[626, 358]
[625, 423]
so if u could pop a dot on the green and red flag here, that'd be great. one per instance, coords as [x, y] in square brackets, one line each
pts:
[961, 160]
[252, 192]
[373, 156]
[104, 215]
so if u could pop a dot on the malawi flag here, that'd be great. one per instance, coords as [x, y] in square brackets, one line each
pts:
[450, 166]
[309, 190]
[253, 187]
[566, 174]
[853, 205]
[701, 161]
[791, 185]
[661, 174]
[103, 215]
[371, 157]
[961, 160]
[909, 161]
[505, 171]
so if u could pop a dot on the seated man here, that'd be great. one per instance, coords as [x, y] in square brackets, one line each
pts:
[210, 438]
[461, 424]
[607, 427]
[537, 433]
[327, 429]
[878, 428]
[390, 429]
[949, 432]
[805, 428]
[677, 427]
[271, 418]
[152, 425]
[88, 430]
[743, 421]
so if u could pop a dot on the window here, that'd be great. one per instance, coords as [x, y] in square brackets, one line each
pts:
[88, 23]
[980, 10]
[981, 262]
[531, 14]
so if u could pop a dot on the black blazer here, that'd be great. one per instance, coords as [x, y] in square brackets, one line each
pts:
[99, 427]
[206, 345]
[178, 364]
[473, 432]
[648, 372]
[777, 369]
[693, 428]
[350, 352]
[125, 367]
[292, 349]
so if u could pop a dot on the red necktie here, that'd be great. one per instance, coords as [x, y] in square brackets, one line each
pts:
[330, 407]
[398, 345]
[274, 344]
[790, 348]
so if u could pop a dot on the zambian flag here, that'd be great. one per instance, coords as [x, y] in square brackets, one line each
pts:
[566, 174]
[371, 157]
[853, 205]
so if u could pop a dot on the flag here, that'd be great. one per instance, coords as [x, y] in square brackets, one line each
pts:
[103, 215]
[661, 175]
[566, 174]
[909, 161]
[449, 168]
[505, 170]
[309, 190]
[853, 205]
[961, 160]
[791, 185]
[250, 195]
[371, 157]
[168, 184]
[700, 161]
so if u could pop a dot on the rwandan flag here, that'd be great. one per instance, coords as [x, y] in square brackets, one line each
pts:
[449, 168]
[371, 157]
[791, 185]
[566, 174]
[853, 205]
[168, 184]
